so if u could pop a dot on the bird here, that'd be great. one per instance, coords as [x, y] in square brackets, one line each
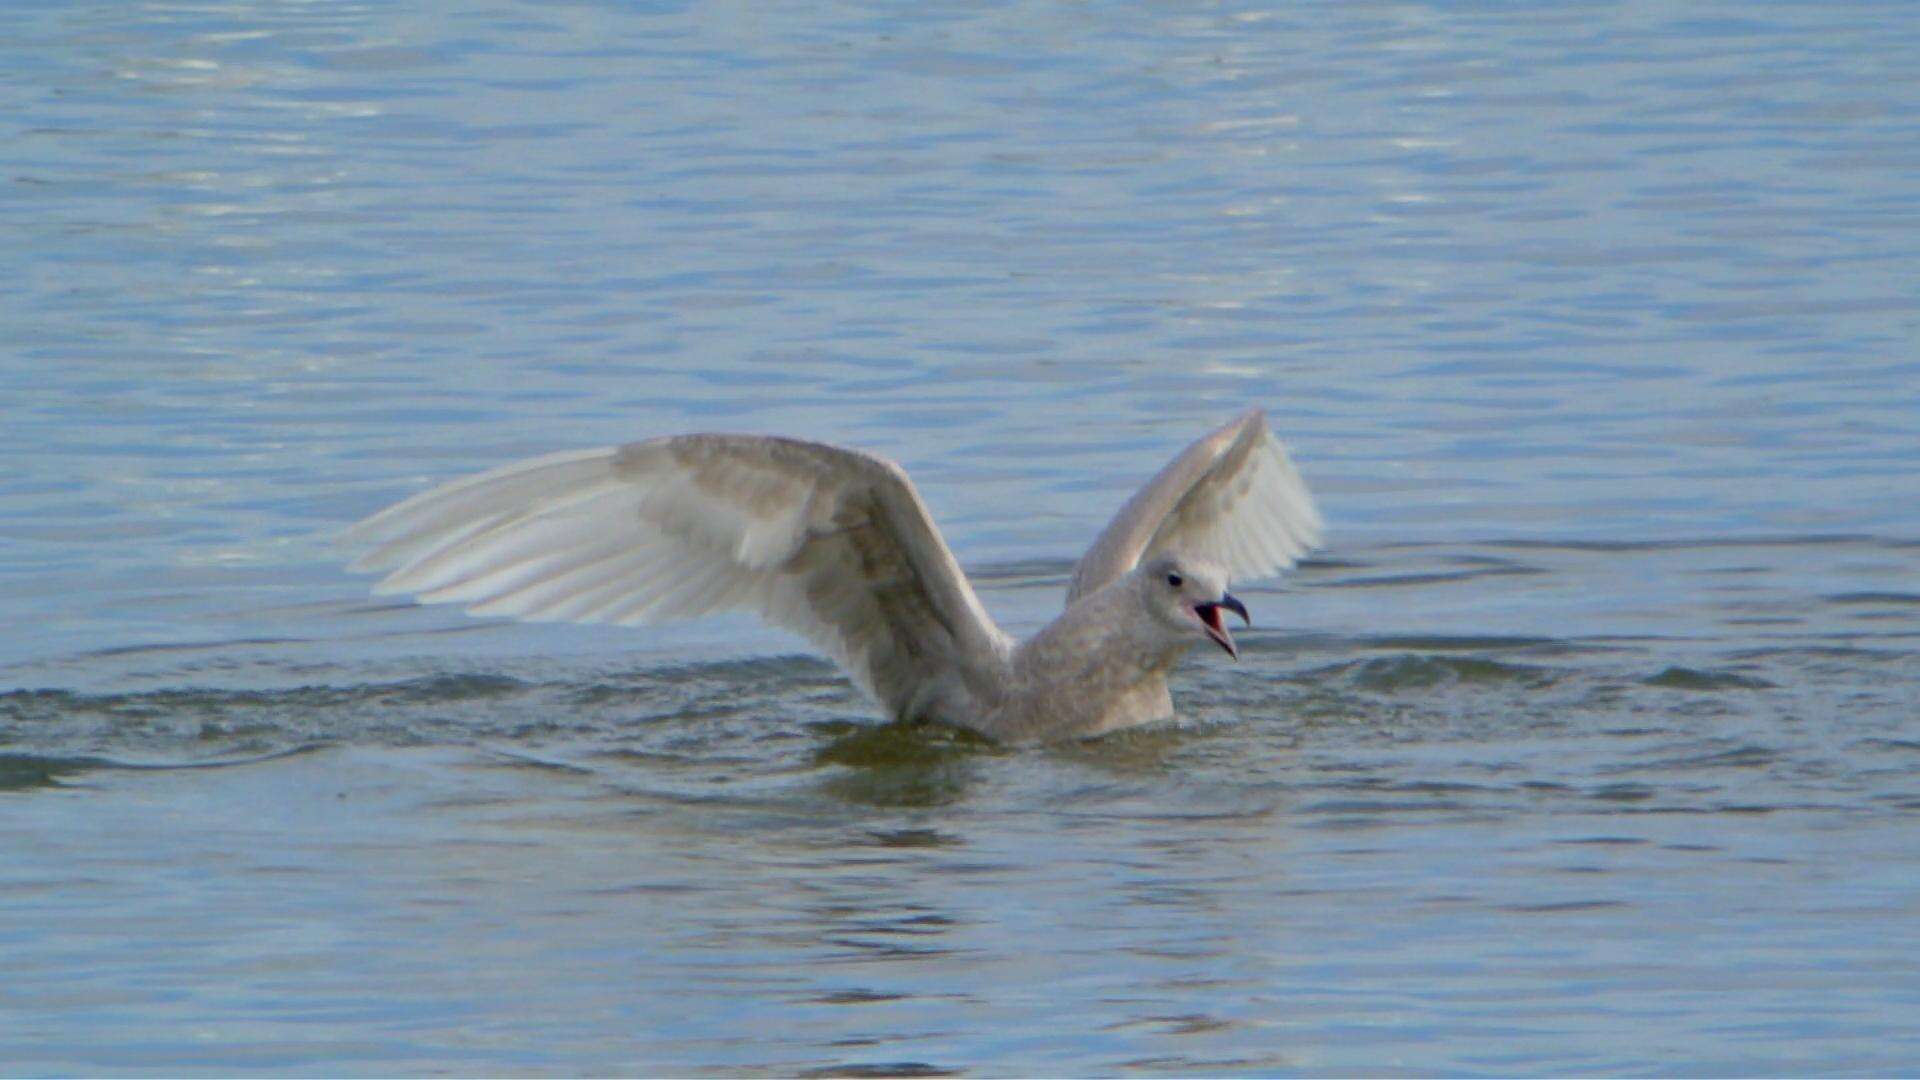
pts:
[837, 545]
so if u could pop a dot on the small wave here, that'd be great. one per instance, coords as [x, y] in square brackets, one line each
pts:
[1396, 674]
[1803, 540]
[19, 771]
[1478, 643]
[1437, 577]
[1900, 745]
[28, 706]
[1682, 678]
[1735, 757]
[22, 771]
[879, 1069]
[1562, 907]
[1873, 598]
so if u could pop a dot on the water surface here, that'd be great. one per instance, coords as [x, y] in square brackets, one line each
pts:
[1587, 745]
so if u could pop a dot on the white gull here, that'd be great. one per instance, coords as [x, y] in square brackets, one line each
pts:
[836, 545]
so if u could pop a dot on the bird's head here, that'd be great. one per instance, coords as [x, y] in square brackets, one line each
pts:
[1188, 596]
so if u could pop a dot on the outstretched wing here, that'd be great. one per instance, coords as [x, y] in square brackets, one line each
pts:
[831, 543]
[1233, 498]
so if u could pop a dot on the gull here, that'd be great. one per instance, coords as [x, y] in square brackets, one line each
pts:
[836, 545]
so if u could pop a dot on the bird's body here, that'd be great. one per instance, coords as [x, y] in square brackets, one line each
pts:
[1092, 670]
[836, 545]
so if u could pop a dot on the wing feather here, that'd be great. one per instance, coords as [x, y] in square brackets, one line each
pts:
[1233, 498]
[831, 543]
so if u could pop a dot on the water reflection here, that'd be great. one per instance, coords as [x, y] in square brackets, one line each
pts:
[900, 764]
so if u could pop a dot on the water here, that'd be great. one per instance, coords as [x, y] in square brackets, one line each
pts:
[1588, 744]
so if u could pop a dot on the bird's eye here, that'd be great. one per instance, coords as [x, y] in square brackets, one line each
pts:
[1174, 580]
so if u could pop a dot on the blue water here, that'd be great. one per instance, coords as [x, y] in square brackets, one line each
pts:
[1586, 745]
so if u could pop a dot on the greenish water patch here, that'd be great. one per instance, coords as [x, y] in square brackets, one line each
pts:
[886, 746]
[900, 764]
[19, 772]
[1682, 678]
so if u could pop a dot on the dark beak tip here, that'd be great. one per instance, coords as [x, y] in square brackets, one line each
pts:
[1233, 604]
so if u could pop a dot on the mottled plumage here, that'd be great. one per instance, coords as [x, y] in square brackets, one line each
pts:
[836, 545]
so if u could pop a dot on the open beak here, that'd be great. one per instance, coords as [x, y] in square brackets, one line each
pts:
[1209, 615]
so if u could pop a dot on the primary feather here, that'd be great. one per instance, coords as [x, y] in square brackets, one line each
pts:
[831, 543]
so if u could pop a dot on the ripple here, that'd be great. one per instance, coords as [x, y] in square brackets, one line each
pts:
[1402, 674]
[22, 771]
[881, 1069]
[1680, 678]
[1559, 907]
